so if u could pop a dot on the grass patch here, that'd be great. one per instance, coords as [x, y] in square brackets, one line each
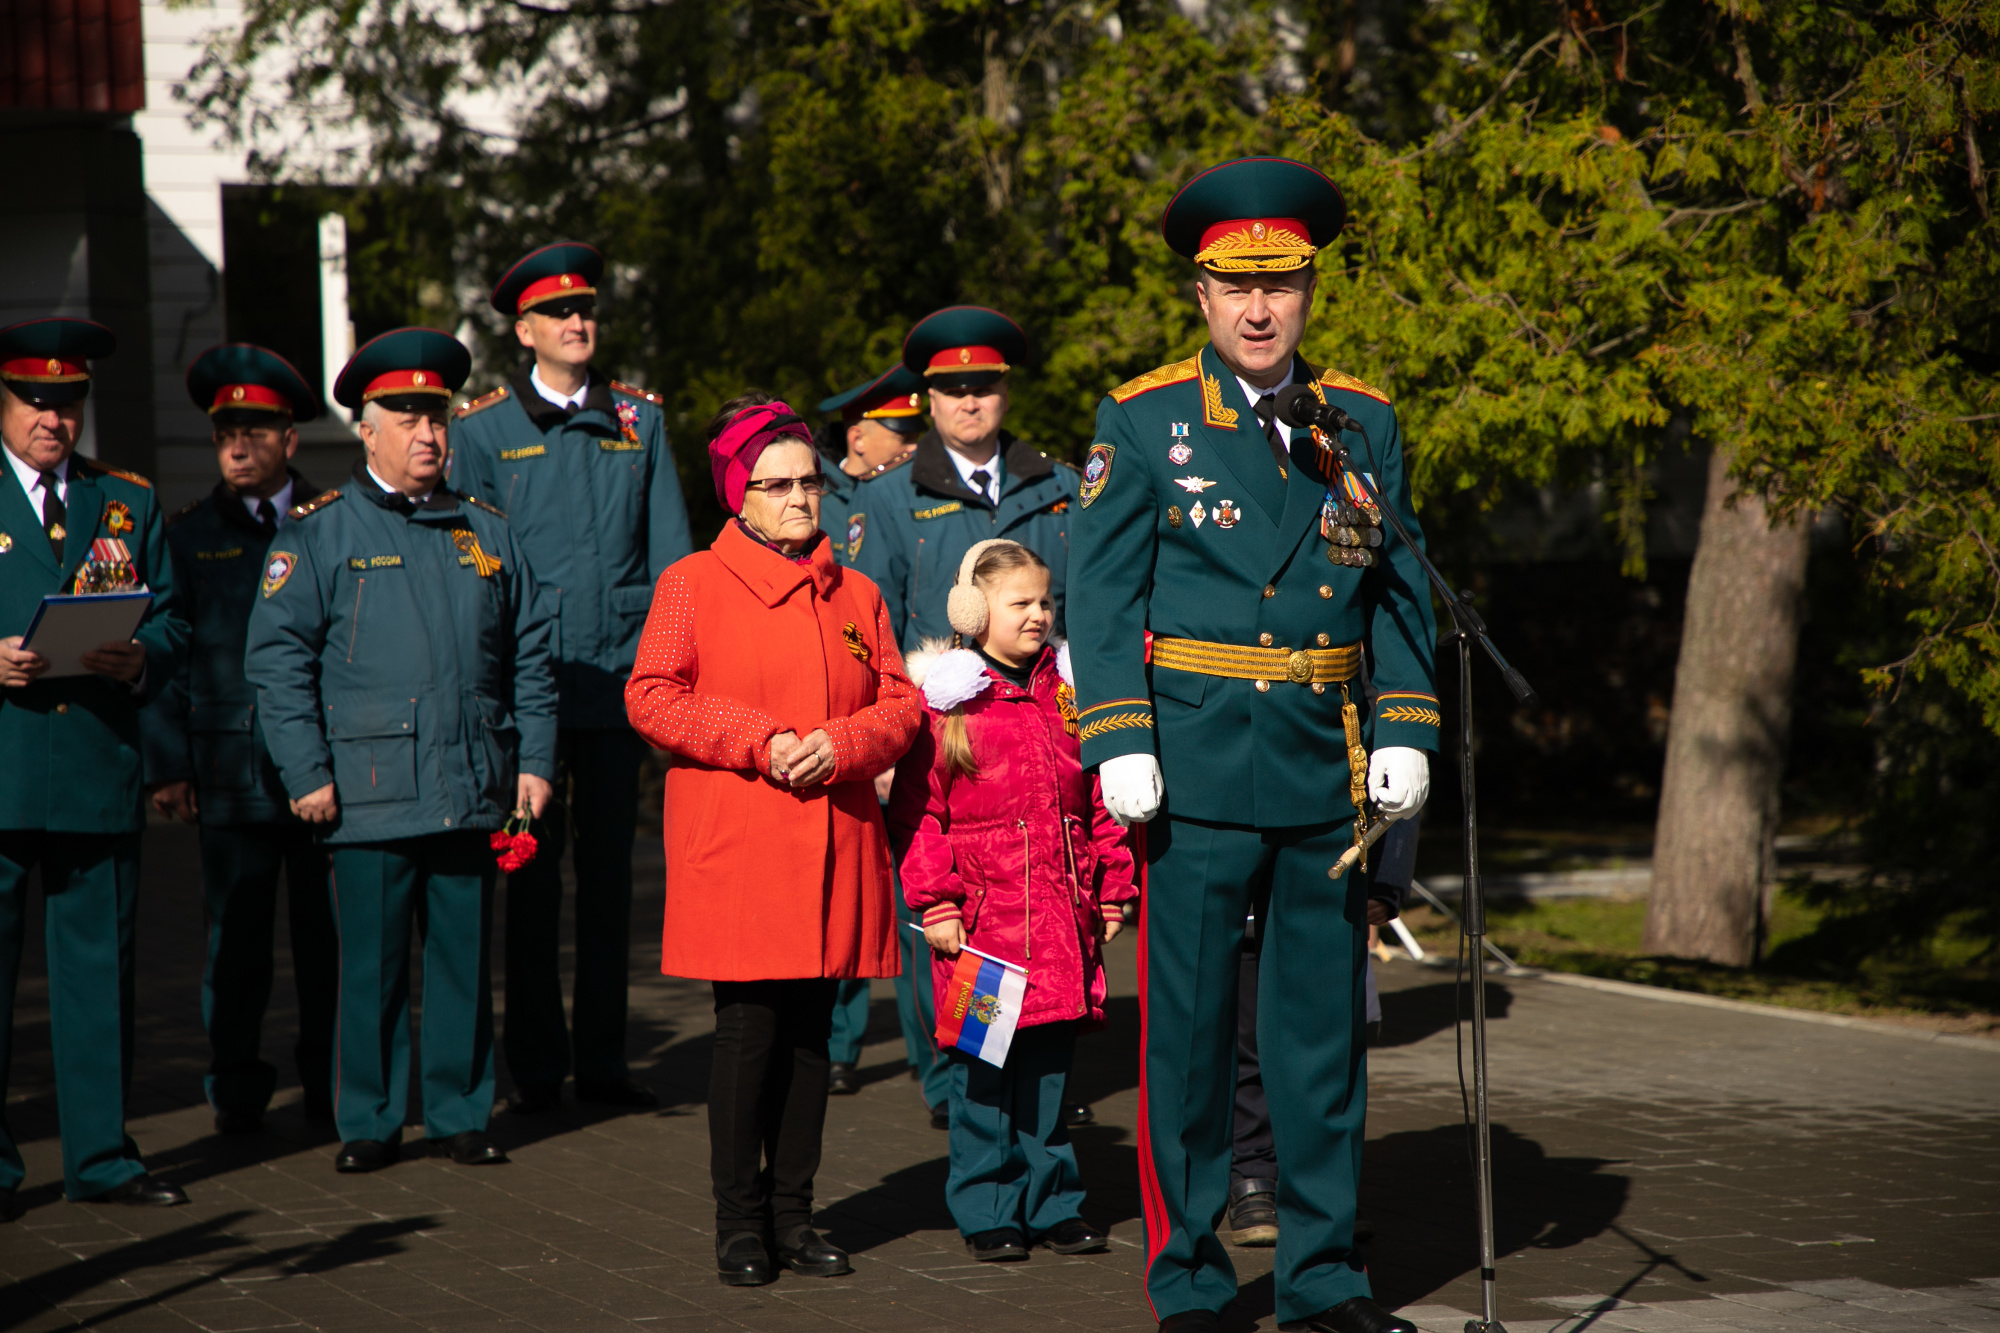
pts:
[1818, 958]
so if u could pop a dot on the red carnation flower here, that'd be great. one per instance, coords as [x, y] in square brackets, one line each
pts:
[515, 844]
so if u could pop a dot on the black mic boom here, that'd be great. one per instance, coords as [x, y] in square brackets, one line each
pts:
[1298, 407]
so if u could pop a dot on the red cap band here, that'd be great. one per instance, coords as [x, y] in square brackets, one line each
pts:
[553, 288]
[902, 405]
[1243, 244]
[405, 381]
[229, 397]
[43, 370]
[953, 360]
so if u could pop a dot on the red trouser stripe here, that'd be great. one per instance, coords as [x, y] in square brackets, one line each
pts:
[1152, 1204]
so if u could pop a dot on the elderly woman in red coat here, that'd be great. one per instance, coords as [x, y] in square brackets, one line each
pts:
[771, 676]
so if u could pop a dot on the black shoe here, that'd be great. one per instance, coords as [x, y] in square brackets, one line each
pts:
[1003, 1245]
[366, 1155]
[842, 1081]
[1075, 1236]
[1192, 1321]
[1253, 1213]
[238, 1122]
[1077, 1113]
[1359, 1315]
[806, 1253]
[619, 1092]
[535, 1099]
[474, 1147]
[144, 1192]
[941, 1117]
[742, 1261]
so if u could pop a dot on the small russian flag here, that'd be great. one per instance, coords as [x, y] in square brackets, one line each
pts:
[981, 1005]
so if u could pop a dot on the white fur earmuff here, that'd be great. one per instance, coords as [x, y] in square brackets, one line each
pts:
[965, 607]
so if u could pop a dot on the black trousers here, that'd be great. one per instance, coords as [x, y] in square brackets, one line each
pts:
[767, 1101]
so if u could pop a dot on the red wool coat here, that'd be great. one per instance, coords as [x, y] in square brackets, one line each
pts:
[1024, 852]
[764, 882]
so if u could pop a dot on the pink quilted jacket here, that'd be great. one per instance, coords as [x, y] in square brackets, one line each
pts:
[1024, 852]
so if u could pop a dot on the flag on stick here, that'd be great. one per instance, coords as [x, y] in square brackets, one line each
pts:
[981, 1005]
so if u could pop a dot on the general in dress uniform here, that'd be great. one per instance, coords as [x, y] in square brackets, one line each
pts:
[205, 754]
[1228, 575]
[71, 798]
[581, 466]
[880, 420]
[400, 652]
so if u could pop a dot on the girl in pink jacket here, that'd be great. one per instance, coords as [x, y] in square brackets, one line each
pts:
[1005, 846]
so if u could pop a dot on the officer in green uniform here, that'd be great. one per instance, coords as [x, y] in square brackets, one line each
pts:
[969, 480]
[880, 420]
[400, 652]
[71, 801]
[1227, 576]
[205, 757]
[581, 466]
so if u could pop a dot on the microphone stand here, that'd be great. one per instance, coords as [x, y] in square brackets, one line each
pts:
[1469, 629]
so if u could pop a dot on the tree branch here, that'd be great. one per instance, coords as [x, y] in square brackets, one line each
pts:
[1451, 135]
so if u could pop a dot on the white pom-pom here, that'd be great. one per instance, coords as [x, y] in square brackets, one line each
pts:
[917, 665]
[955, 677]
[1063, 667]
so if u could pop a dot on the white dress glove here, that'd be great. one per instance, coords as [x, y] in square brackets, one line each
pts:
[1399, 779]
[1132, 787]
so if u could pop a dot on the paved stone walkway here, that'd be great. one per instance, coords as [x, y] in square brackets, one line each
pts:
[1661, 1169]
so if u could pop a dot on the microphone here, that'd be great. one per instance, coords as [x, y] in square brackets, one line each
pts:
[1297, 407]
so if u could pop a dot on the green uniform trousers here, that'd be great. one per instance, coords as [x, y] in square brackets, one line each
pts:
[443, 884]
[915, 1009]
[850, 1022]
[597, 799]
[1012, 1164]
[90, 890]
[240, 865]
[1201, 879]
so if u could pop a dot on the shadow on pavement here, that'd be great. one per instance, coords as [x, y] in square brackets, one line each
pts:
[906, 1202]
[1412, 1014]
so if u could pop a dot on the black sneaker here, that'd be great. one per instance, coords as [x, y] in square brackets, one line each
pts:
[1003, 1245]
[941, 1117]
[1075, 1236]
[842, 1080]
[1253, 1213]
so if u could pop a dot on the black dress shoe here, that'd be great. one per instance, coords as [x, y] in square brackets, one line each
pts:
[1002, 1245]
[742, 1261]
[1192, 1321]
[806, 1253]
[143, 1192]
[1359, 1315]
[842, 1080]
[1075, 1236]
[1077, 1113]
[1253, 1213]
[474, 1147]
[366, 1155]
[238, 1122]
[619, 1092]
[535, 1099]
[941, 1117]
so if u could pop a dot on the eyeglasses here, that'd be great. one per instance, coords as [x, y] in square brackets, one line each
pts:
[777, 488]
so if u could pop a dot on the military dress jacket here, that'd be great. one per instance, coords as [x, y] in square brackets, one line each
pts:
[203, 726]
[919, 521]
[71, 755]
[401, 652]
[595, 503]
[845, 525]
[1187, 529]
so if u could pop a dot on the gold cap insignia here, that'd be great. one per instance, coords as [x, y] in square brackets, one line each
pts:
[55, 366]
[964, 355]
[237, 393]
[568, 281]
[1257, 230]
[418, 378]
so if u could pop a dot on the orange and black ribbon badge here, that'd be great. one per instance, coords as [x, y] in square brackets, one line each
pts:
[850, 634]
[1066, 705]
[471, 553]
[118, 518]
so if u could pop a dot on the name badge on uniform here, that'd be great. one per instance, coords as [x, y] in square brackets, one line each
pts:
[365, 562]
[528, 451]
[937, 511]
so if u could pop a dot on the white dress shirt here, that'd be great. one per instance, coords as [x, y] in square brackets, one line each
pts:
[376, 477]
[31, 480]
[572, 401]
[991, 467]
[282, 502]
[1253, 393]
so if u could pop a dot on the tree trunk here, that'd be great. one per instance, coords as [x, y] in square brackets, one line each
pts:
[1732, 715]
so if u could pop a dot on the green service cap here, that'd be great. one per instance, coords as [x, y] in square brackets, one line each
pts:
[405, 370]
[964, 347]
[240, 384]
[894, 398]
[1254, 215]
[43, 360]
[565, 271]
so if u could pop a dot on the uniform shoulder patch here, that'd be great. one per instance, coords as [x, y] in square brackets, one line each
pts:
[634, 391]
[314, 505]
[1096, 472]
[1178, 373]
[185, 510]
[122, 475]
[483, 401]
[478, 503]
[1340, 379]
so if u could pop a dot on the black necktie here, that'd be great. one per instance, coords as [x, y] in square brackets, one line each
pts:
[979, 482]
[53, 514]
[1267, 412]
[267, 517]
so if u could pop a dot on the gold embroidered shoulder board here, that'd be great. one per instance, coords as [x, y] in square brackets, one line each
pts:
[1177, 373]
[483, 401]
[1340, 379]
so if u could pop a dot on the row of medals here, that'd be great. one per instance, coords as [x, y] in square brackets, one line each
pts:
[1352, 533]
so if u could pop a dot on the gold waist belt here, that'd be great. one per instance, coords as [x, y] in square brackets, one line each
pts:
[1301, 666]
